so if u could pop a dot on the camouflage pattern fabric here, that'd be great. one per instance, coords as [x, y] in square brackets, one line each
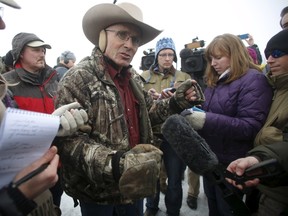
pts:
[179, 95]
[45, 206]
[141, 171]
[84, 155]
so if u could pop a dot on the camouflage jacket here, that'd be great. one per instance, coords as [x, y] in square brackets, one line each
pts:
[45, 206]
[84, 154]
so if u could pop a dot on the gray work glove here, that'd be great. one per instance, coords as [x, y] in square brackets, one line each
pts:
[178, 102]
[138, 171]
[195, 118]
[71, 118]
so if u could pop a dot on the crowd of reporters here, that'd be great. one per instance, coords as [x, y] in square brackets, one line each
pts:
[112, 190]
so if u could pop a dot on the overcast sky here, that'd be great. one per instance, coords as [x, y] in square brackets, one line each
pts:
[59, 22]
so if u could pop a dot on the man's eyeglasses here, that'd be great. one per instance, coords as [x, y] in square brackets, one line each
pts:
[277, 53]
[165, 55]
[125, 36]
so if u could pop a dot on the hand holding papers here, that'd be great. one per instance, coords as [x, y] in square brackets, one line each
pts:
[24, 137]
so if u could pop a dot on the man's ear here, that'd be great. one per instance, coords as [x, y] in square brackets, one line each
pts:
[21, 53]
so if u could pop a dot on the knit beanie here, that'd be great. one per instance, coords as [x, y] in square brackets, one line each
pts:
[165, 43]
[22, 39]
[68, 55]
[277, 42]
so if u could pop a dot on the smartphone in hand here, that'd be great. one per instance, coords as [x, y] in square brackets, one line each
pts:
[243, 36]
[172, 90]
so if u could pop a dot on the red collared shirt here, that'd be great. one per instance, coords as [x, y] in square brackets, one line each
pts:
[129, 102]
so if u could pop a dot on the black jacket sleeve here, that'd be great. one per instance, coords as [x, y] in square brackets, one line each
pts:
[14, 203]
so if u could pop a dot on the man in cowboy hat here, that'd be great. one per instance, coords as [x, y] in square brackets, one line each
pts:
[105, 166]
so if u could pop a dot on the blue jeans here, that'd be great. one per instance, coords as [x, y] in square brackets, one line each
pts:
[152, 202]
[174, 194]
[92, 209]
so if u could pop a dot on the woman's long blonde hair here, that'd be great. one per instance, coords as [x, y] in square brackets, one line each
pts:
[231, 46]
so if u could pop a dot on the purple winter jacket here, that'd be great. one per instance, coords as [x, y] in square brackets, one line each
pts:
[235, 112]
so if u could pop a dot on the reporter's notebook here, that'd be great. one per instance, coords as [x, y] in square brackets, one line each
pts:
[24, 137]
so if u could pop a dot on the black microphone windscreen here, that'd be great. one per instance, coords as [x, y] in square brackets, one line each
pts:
[189, 145]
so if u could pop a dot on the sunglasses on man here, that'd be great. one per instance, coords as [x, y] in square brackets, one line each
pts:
[276, 53]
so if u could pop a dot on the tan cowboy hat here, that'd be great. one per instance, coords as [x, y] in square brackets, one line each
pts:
[11, 3]
[101, 16]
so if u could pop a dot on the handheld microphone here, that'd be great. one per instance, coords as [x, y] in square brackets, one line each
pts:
[197, 155]
[189, 145]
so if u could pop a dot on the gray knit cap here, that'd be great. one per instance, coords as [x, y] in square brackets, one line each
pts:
[68, 55]
[22, 39]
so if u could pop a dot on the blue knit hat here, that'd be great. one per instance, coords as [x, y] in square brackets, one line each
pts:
[165, 43]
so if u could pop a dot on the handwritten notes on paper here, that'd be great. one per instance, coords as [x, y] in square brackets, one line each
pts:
[24, 137]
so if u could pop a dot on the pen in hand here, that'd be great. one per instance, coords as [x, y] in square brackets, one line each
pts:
[30, 175]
